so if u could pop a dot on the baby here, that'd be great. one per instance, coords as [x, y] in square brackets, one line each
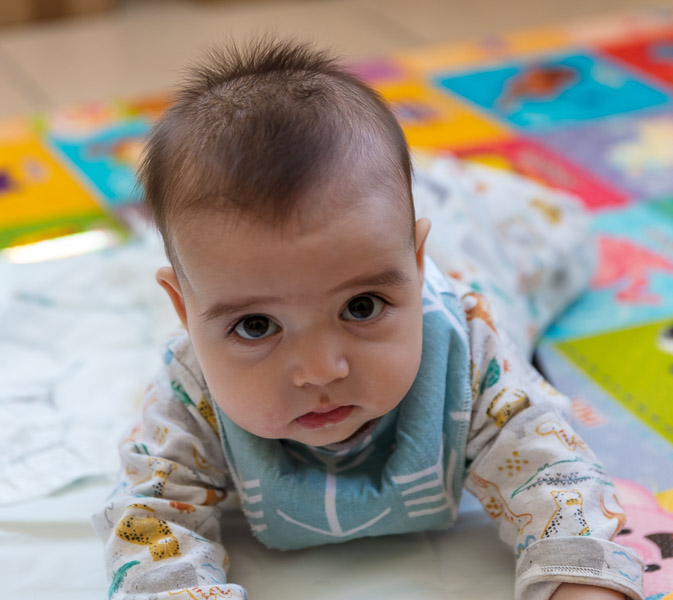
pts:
[328, 371]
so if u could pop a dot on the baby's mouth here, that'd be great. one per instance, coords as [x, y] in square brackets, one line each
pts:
[315, 420]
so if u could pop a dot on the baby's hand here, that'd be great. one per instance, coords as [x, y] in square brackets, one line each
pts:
[576, 591]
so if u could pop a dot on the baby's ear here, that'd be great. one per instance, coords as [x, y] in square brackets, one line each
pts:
[168, 280]
[422, 230]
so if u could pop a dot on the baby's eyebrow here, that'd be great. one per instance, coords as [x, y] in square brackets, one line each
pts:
[220, 310]
[387, 277]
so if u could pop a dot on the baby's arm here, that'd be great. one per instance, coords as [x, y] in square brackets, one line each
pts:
[161, 526]
[554, 503]
[574, 591]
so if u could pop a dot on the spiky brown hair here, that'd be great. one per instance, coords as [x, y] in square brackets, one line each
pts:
[252, 129]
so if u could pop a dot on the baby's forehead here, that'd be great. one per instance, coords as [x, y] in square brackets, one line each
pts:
[342, 206]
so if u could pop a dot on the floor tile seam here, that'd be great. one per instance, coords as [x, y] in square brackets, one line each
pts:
[387, 25]
[23, 81]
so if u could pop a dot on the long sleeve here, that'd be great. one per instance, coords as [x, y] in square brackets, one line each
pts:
[552, 499]
[160, 526]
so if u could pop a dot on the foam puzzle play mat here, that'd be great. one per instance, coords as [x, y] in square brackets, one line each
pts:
[586, 107]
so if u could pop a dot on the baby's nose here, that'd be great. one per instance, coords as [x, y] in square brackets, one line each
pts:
[319, 363]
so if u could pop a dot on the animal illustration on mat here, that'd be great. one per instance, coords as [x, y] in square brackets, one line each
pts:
[650, 151]
[7, 182]
[539, 83]
[649, 531]
[630, 266]
[665, 340]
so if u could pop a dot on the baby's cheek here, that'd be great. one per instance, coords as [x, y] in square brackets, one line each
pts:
[408, 356]
[265, 413]
[238, 407]
[396, 374]
[259, 415]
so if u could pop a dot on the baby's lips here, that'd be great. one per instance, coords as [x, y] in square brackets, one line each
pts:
[315, 420]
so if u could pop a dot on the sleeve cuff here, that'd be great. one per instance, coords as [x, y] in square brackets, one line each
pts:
[547, 563]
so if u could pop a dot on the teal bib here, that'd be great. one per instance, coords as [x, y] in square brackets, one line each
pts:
[407, 475]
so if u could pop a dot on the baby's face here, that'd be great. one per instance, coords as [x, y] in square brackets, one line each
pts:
[307, 331]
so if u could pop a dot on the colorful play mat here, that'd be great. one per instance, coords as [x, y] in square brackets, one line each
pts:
[586, 107]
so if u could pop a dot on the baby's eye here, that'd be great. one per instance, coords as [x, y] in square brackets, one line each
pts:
[255, 327]
[362, 308]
